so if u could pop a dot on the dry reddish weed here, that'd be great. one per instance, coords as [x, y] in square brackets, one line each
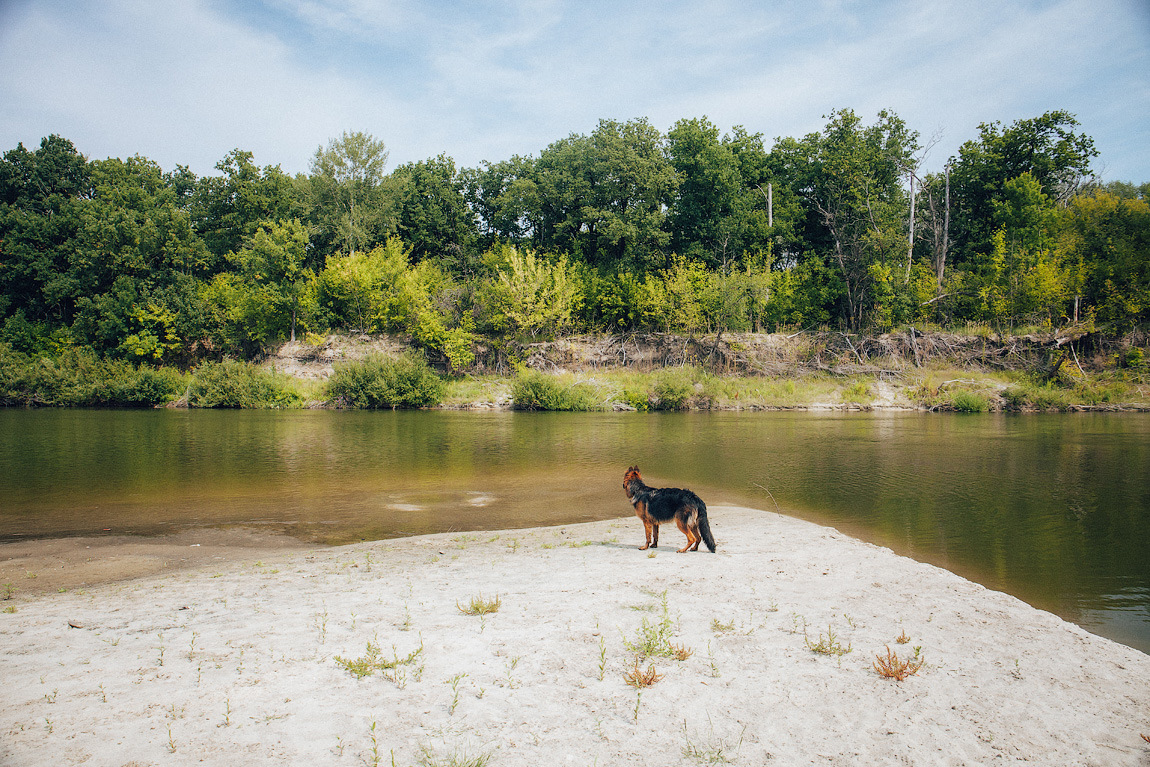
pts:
[638, 678]
[891, 667]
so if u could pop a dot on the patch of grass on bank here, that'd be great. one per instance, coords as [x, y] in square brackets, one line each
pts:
[476, 389]
[969, 402]
[769, 393]
[964, 391]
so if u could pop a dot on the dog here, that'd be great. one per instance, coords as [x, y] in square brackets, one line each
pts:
[655, 505]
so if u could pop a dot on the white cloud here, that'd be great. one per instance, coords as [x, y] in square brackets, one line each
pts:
[185, 82]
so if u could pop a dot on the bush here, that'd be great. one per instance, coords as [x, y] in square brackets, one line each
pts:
[234, 384]
[671, 389]
[969, 402]
[858, 392]
[377, 381]
[532, 390]
[1036, 397]
[80, 378]
[150, 386]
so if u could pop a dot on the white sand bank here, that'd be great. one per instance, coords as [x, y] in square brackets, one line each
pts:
[237, 665]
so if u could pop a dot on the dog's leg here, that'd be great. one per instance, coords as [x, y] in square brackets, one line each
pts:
[641, 513]
[654, 534]
[682, 525]
[693, 534]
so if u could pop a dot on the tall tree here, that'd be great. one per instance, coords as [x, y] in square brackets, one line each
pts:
[1047, 147]
[346, 191]
[1106, 243]
[230, 207]
[850, 177]
[42, 195]
[603, 197]
[719, 213]
[135, 248]
[503, 196]
[434, 218]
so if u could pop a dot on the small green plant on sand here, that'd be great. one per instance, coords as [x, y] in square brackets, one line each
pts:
[454, 682]
[830, 645]
[722, 628]
[429, 758]
[480, 606]
[372, 660]
[654, 639]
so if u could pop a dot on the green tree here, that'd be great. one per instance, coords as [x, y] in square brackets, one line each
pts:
[719, 213]
[274, 263]
[504, 198]
[229, 208]
[603, 197]
[1047, 147]
[530, 293]
[434, 218]
[42, 196]
[1105, 244]
[351, 206]
[361, 290]
[135, 248]
[850, 178]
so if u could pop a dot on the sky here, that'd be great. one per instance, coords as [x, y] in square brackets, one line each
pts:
[186, 81]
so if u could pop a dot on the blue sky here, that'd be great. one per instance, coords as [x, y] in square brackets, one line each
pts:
[185, 81]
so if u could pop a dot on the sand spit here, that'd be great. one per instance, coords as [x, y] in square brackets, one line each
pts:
[248, 662]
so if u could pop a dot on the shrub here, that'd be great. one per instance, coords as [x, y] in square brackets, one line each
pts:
[533, 390]
[858, 392]
[1014, 398]
[969, 402]
[234, 384]
[80, 378]
[1034, 397]
[671, 389]
[380, 382]
[150, 386]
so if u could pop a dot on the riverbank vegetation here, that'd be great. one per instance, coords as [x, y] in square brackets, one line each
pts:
[824, 370]
[122, 284]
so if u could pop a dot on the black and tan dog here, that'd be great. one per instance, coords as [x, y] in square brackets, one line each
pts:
[655, 505]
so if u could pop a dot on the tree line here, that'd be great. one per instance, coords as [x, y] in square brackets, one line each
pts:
[627, 228]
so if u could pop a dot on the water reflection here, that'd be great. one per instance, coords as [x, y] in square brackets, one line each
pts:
[1055, 509]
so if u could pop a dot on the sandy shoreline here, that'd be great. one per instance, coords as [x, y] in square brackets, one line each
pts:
[234, 660]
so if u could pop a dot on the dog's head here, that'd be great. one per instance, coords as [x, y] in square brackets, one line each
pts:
[632, 475]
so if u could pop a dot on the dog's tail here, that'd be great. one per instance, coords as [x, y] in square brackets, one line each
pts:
[705, 527]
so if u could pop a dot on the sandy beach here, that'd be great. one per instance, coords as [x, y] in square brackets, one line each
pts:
[364, 655]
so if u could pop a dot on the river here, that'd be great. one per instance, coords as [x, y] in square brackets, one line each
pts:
[1054, 509]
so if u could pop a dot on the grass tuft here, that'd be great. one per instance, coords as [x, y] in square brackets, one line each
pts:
[480, 606]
